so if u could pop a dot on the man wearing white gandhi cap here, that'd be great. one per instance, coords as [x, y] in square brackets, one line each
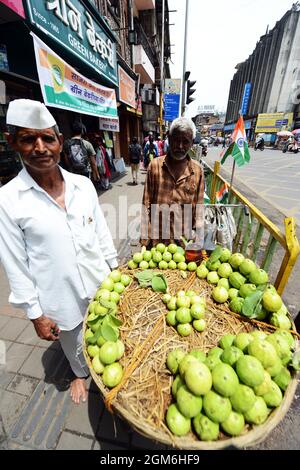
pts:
[55, 245]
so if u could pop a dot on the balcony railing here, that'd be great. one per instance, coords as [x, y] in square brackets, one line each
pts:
[143, 40]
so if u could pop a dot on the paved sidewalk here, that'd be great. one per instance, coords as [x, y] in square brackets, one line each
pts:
[35, 408]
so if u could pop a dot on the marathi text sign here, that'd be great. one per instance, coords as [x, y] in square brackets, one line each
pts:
[63, 87]
[274, 122]
[109, 124]
[72, 25]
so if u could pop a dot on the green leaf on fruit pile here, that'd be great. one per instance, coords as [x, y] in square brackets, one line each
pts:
[215, 255]
[159, 283]
[93, 339]
[144, 278]
[114, 321]
[251, 305]
[93, 322]
[109, 333]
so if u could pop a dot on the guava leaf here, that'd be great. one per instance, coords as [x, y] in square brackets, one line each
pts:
[159, 283]
[144, 278]
[250, 306]
[93, 339]
[215, 255]
[109, 333]
[114, 321]
[93, 322]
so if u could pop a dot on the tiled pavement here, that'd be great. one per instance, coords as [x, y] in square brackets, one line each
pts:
[36, 411]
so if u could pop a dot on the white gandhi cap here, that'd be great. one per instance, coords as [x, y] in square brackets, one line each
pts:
[30, 114]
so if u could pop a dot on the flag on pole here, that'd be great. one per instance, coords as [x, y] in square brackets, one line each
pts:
[222, 194]
[239, 146]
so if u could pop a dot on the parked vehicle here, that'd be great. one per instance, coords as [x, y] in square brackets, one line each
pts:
[259, 144]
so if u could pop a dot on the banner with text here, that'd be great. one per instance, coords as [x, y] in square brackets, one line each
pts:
[63, 87]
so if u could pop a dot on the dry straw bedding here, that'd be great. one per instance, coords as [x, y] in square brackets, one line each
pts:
[144, 395]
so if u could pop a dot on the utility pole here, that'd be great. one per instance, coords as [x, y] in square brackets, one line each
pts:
[183, 105]
[162, 70]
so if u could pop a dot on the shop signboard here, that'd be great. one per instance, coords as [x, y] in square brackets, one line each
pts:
[172, 99]
[109, 124]
[274, 122]
[63, 87]
[75, 28]
[246, 98]
[126, 88]
[15, 5]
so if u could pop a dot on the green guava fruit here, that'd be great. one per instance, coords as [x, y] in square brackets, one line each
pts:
[198, 378]
[188, 404]
[226, 341]
[225, 270]
[225, 255]
[242, 341]
[250, 370]
[220, 294]
[283, 379]
[173, 359]
[243, 399]
[258, 413]
[258, 277]
[247, 267]
[112, 374]
[206, 429]
[271, 301]
[265, 386]
[231, 355]
[224, 379]
[264, 351]
[236, 280]
[216, 407]
[234, 424]
[177, 383]
[176, 422]
[236, 260]
[273, 397]
[247, 289]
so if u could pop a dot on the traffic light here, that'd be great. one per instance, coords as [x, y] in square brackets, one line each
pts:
[190, 91]
[189, 88]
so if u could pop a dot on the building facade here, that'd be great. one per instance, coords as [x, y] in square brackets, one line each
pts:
[273, 72]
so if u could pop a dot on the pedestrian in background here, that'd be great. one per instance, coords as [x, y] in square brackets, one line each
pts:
[160, 145]
[55, 245]
[79, 154]
[150, 150]
[102, 162]
[135, 157]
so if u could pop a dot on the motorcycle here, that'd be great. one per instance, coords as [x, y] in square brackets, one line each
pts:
[204, 149]
[290, 147]
[259, 144]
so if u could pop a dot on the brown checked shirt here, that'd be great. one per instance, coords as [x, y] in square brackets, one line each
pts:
[183, 196]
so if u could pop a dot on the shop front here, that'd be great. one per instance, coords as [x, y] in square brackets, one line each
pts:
[82, 85]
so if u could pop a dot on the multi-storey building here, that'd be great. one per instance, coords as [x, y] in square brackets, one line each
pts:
[273, 72]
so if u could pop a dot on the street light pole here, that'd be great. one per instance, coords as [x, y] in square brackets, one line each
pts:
[183, 104]
[162, 70]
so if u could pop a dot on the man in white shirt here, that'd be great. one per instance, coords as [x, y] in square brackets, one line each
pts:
[55, 245]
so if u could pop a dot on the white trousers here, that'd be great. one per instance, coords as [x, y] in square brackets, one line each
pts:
[71, 343]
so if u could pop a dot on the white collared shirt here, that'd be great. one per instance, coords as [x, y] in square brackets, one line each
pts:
[55, 259]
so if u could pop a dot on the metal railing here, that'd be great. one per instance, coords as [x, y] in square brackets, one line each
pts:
[257, 237]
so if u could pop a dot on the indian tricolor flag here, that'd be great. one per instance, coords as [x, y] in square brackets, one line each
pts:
[239, 147]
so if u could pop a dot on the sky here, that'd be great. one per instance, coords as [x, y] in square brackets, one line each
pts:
[221, 34]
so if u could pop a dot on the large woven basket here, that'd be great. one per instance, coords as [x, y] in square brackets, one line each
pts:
[144, 397]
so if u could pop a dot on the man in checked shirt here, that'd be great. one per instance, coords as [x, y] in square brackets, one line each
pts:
[174, 191]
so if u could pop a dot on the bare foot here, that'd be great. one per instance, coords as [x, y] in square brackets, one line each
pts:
[78, 390]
